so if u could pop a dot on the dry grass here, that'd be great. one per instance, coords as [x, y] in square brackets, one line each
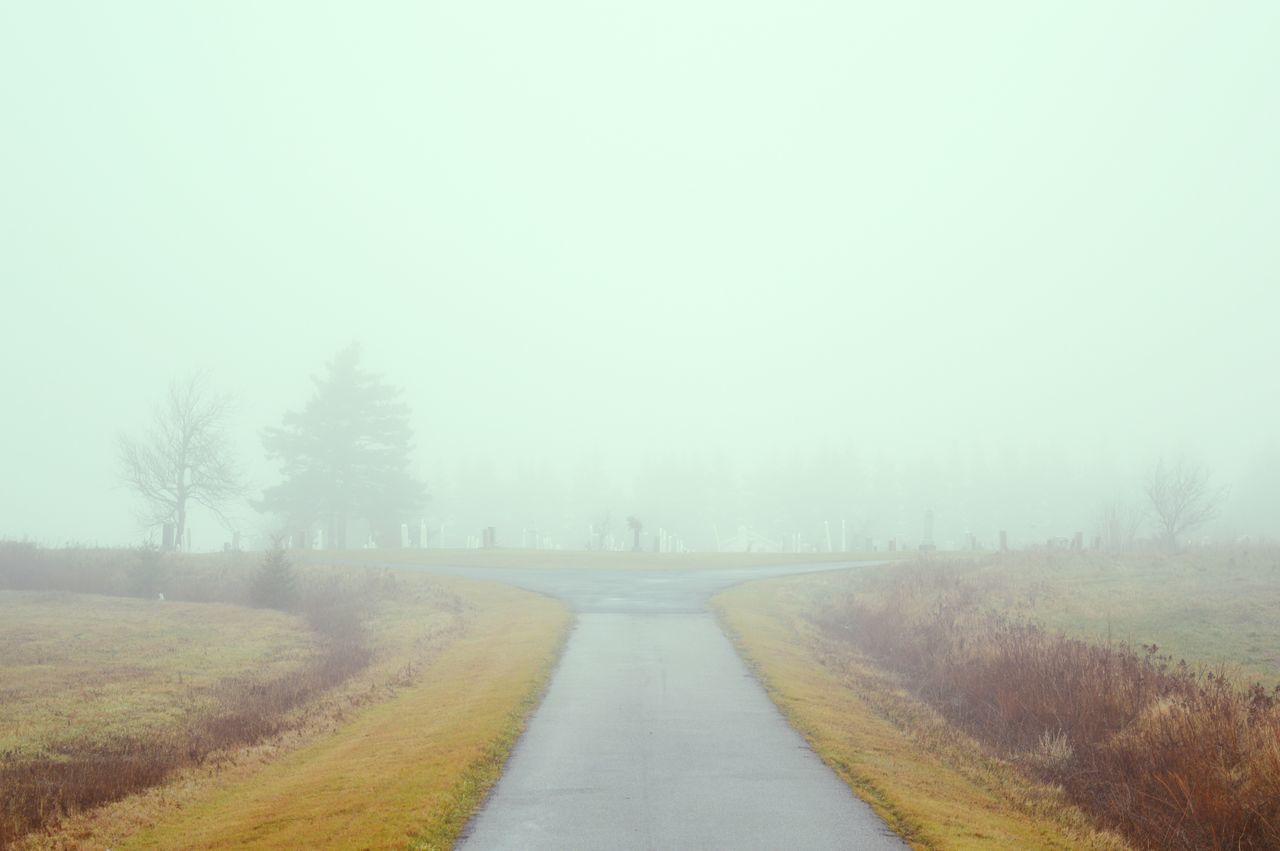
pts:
[401, 752]
[114, 696]
[1018, 655]
[1171, 755]
[1207, 605]
[104, 697]
[406, 770]
[938, 788]
[77, 667]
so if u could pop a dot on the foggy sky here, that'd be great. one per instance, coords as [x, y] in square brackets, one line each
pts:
[631, 238]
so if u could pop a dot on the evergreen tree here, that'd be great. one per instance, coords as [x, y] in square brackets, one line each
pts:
[273, 584]
[345, 455]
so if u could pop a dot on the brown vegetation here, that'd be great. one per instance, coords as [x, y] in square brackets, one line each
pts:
[80, 773]
[1171, 755]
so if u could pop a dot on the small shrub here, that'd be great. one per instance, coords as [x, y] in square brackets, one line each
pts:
[1052, 753]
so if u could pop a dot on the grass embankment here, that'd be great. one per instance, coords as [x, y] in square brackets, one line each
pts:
[408, 771]
[382, 715]
[1170, 754]
[105, 697]
[935, 786]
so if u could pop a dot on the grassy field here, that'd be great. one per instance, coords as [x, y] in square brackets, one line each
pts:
[77, 666]
[286, 750]
[1216, 606]
[952, 655]
[405, 771]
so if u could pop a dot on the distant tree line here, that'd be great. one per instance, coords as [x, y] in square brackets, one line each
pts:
[346, 455]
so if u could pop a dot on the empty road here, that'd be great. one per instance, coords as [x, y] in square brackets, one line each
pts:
[653, 733]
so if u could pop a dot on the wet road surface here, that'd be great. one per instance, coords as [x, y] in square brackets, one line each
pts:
[654, 735]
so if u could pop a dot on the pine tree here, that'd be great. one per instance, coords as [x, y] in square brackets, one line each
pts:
[273, 584]
[345, 455]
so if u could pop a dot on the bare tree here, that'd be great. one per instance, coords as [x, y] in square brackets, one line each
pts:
[183, 458]
[1181, 498]
[1118, 524]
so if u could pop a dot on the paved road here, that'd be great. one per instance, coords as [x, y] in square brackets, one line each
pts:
[654, 735]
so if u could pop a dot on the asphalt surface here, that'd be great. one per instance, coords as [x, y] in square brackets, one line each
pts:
[654, 735]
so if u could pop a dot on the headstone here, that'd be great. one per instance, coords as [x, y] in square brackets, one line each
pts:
[404, 536]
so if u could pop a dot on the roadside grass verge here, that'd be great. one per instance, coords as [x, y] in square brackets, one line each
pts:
[1017, 654]
[1171, 754]
[407, 770]
[106, 697]
[935, 786]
